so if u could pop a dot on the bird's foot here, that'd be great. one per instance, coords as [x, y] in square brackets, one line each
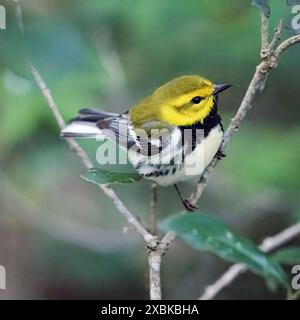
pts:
[220, 154]
[189, 206]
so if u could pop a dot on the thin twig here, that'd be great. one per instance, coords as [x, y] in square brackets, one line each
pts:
[256, 85]
[276, 37]
[286, 44]
[235, 270]
[264, 53]
[154, 260]
[153, 208]
[281, 238]
[75, 147]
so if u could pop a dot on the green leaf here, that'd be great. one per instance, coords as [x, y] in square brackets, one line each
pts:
[206, 233]
[263, 5]
[100, 176]
[288, 256]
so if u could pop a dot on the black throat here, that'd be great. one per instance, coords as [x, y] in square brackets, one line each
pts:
[210, 122]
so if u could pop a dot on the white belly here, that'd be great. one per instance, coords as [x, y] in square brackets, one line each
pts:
[195, 163]
[201, 157]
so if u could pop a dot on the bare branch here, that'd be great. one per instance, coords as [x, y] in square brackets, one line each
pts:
[154, 259]
[132, 220]
[276, 37]
[256, 85]
[235, 270]
[270, 57]
[75, 147]
[194, 197]
[264, 52]
[48, 96]
[286, 44]
[153, 208]
[281, 238]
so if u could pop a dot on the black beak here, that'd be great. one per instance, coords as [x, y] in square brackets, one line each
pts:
[221, 87]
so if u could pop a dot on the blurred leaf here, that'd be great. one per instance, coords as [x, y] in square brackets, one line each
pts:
[204, 232]
[100, 176]
[287, 256]
[263, 6]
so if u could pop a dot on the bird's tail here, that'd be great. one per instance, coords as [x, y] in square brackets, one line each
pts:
[85, 125]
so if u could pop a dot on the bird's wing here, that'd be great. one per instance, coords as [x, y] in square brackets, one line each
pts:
[119, 129]
[154, 140]
[97, 124]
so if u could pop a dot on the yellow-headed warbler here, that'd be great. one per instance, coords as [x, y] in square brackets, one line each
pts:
[171, 135]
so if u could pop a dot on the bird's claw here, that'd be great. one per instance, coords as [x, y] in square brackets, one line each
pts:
[220, 155]
[189, 206]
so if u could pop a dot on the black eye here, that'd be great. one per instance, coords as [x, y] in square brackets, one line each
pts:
[196, 100]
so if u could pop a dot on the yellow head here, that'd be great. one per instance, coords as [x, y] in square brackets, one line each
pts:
[182, 101]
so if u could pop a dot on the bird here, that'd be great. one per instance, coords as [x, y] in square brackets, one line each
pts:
[171, 135]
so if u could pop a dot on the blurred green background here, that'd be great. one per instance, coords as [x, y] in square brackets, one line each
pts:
[61, 238]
